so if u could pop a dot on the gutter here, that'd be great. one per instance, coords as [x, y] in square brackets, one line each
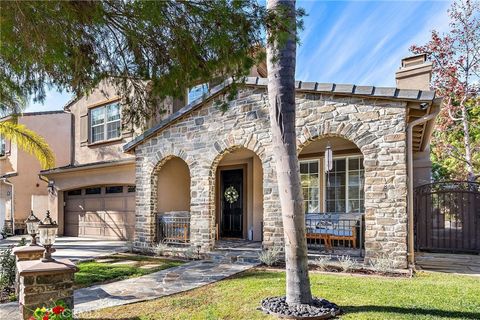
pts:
[411, 230]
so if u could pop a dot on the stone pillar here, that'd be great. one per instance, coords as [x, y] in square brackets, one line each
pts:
[26, 253]
[44, 283]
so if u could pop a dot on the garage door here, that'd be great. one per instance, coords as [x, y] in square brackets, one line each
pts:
[106, 212]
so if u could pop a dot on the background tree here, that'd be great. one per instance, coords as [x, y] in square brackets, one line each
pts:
[281, 61]
[148, 49]
[456, 76]
[25, 139]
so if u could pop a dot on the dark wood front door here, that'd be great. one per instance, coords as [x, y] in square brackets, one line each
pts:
[231, 195]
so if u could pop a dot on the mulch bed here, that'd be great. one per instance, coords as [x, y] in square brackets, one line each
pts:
[319, 309]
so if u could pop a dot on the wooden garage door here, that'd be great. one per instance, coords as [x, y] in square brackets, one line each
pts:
[106, 212]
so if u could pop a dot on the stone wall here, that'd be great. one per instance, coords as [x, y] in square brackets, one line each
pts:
[202, 137]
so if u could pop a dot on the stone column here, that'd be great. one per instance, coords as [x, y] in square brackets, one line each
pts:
[26, 253]
[44, 283]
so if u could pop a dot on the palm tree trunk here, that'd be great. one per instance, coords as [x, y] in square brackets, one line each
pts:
[281, 94]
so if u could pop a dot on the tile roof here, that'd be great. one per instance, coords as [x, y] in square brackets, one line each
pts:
[390, 93]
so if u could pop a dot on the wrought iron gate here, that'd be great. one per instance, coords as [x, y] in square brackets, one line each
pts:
[447, 216]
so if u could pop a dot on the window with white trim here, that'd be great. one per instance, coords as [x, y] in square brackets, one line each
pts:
[355, 181]
[2, 146]
[309, 176]
[105, 122]
[335, 186]
[344, 186]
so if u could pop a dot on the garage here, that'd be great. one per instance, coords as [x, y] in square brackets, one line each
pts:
[105, 212]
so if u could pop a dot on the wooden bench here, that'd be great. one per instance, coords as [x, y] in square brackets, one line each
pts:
[328, 229]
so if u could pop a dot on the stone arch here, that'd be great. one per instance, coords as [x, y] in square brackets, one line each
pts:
[160, 163]
[356, 132]
[258, 151]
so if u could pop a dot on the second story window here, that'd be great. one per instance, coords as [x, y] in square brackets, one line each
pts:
[2, 146]
[105, 122]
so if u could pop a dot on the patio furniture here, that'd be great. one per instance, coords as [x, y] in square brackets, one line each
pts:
[331, 227]
[174, 227]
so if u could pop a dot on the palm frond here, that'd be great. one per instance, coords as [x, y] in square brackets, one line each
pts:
[28, 141]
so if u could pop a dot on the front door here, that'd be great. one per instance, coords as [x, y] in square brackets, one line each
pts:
[231, 195]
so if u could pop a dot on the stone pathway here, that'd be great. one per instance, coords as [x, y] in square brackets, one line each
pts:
[188, 276]
[155, 285]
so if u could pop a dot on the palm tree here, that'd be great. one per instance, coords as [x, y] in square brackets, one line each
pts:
[281, 51]
[24, 138]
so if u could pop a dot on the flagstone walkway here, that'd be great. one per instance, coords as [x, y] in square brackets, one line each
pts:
[155, 285]
[188, 276]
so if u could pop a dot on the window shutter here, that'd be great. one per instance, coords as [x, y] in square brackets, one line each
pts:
[84, 128]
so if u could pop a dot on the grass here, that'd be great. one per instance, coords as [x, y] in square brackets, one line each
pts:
[95, 272]
[426, 296]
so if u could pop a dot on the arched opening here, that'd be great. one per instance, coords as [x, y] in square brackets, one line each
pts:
[173, 201]
[334, 192]
[239, 196]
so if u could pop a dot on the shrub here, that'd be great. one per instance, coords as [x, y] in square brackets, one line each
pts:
[323, 262]
[190, 253]
[270, 257]
[347, 263]
[160, 249]
[7, 269]
[22, 242]
[4, 232]
[382, 264]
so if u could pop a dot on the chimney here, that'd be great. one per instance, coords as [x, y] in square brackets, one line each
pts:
[415, 73]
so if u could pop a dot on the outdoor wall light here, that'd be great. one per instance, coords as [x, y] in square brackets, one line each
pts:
[48, 232]
[32, 227]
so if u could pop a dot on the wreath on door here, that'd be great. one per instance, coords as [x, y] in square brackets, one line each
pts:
[231, 195]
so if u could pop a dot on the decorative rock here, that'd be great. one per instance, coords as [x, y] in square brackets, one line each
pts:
[317, 310]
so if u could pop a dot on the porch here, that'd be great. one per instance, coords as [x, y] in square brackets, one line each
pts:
[326, 233]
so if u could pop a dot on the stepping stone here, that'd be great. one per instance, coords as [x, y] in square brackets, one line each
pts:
[125, 262]
[149, 266]
[105, 260]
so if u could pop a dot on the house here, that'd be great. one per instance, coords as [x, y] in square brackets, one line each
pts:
[93, 195]
[210, 175]
[21, 187]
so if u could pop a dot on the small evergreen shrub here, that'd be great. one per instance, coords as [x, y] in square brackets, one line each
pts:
[323, 262]
[270, 257]
[347, 263]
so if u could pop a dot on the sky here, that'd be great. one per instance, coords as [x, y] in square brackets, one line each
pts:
[354, 42]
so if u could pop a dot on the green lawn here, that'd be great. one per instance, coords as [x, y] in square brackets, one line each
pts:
[96, 272]
[426, 296]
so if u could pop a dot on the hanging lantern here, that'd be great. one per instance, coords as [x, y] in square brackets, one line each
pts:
[32, 227]
[328, 158]
[48, 232]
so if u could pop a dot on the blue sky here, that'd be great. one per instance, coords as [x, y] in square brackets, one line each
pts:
[359, 42]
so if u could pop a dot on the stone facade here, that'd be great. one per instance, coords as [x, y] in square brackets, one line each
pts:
[203, 136]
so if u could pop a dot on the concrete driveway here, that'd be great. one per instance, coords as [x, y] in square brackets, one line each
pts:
[74, 248]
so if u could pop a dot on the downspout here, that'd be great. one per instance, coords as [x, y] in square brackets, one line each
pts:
[12, 203]
[411, 230]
